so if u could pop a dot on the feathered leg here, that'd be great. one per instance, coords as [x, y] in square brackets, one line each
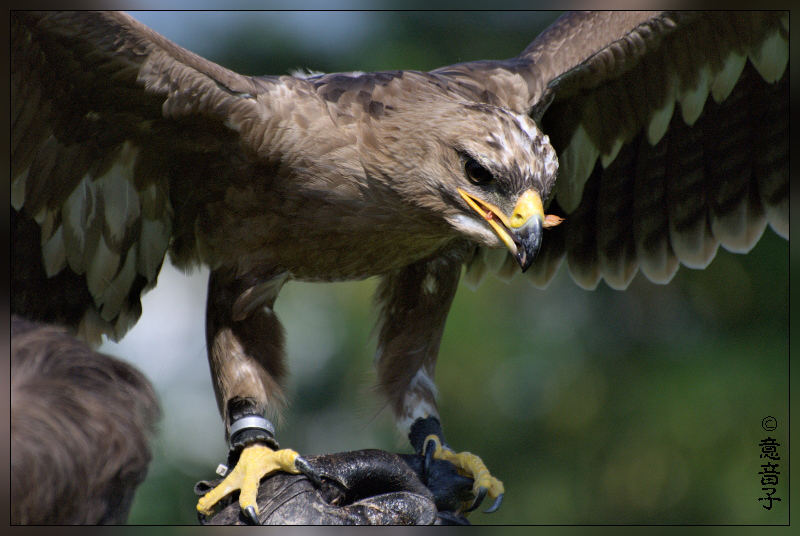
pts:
[414, 303]
[245, 351]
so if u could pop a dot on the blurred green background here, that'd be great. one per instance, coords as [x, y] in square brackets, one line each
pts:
[602, 407]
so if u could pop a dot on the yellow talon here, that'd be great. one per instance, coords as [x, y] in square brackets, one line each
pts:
[469, 465]
[255, 462]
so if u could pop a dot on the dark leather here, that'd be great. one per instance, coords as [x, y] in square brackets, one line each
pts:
[366, 487]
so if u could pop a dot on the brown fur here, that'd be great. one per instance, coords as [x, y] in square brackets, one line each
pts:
[80, 425]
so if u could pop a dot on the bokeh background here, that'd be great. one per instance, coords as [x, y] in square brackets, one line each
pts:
[602, 407]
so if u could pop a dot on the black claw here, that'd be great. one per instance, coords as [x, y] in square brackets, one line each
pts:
[251, 516]
[479, 499]
[430, 447]
[304, 467]
[493, 508]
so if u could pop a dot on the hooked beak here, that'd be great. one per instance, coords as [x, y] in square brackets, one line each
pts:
[522, 231]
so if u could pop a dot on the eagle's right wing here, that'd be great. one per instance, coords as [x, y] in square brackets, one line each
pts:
[117, 134]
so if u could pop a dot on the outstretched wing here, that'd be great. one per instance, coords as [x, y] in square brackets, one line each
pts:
[672, 135]
[115, 130]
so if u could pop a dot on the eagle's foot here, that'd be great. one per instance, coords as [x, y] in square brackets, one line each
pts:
[469, 465]
[255, 462]
[428, 440]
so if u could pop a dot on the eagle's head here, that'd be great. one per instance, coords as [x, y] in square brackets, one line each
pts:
[485, 170]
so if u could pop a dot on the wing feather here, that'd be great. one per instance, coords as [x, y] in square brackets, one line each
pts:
[616, 249]
[654, 251]
[690, 233]
[102, 109]
[672, 135]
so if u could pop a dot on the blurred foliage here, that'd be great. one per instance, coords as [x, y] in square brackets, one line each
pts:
[642, 406]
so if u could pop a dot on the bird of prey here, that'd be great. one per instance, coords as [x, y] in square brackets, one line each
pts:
[615, 142]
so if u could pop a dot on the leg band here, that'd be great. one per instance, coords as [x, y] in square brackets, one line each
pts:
[248, 430]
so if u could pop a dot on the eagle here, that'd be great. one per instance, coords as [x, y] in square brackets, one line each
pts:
[615, 142]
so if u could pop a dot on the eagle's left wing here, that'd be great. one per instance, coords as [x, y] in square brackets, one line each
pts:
[671, 131]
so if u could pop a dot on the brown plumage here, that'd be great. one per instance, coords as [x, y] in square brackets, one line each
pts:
[126, 146]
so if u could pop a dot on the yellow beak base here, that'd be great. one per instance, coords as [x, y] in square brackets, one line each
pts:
[522, 231]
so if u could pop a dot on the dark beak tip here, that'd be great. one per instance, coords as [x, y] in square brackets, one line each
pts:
[528, 242]
[524, 260]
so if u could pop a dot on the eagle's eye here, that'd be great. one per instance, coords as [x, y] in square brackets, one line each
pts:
[476, 173]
